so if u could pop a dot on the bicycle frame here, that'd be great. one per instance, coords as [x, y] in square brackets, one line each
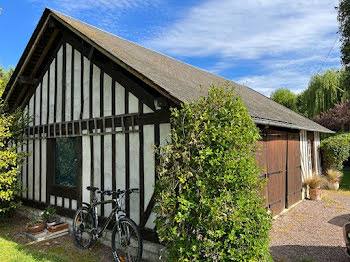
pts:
[114, 212]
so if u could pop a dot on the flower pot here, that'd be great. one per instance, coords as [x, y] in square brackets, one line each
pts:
[52, 222]
[36, 228]
[315, 194]
[333, 185]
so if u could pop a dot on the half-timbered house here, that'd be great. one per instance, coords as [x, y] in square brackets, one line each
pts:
[100, 103]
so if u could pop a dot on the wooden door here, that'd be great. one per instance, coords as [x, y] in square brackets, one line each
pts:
[294, 183]
[276, 171]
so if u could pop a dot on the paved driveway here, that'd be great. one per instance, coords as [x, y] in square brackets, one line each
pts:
[312, 231]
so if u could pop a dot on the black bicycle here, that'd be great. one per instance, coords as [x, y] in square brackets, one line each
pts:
[126, 237]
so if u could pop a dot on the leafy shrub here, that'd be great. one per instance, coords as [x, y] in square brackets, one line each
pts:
[11, 139]
[208, 192]
[335, 150]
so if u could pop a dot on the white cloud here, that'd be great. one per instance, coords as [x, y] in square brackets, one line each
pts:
[288, 40]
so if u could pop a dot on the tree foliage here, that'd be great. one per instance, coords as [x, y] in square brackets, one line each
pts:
[207, 189]
[285, 97]
[11, 158]
[337, 118]
[4, 78]
[335, 150]
[344, 29]
[323, 92]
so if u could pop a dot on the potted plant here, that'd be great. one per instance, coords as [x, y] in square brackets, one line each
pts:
[49, 216]
[334, 177]
[35, 226]
[315, 183]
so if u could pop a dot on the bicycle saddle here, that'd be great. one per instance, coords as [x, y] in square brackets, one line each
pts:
[92, 188]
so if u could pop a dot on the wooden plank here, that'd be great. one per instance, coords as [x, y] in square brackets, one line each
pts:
[127, 156]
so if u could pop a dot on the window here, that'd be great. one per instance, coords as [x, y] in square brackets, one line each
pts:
[66, 159]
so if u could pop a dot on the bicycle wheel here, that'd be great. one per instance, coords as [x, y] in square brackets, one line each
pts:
[126, 242]
[83, 226]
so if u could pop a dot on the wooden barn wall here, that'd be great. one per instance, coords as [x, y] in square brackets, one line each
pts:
[73, 88]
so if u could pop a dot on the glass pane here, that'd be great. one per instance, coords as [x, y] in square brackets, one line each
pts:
[66, 161]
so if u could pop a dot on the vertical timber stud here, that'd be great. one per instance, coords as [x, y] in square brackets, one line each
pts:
[80, 174]
[141, 165]
[27, 158]
[157, 143]
[40, 140]
[55, 105]
[113, 140]
[48, 100]
[81, 86]
[72, 87]
[63, 110]
[127, 155]
[34, 107]
[102, 160]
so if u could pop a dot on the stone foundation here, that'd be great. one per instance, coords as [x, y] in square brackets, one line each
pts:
[151, 251]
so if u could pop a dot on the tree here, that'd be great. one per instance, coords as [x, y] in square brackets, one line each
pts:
[12, 135]
[4, 78]
[207, 188]
[285, 97]
[323, 92]
[344, 30]
[337, 118]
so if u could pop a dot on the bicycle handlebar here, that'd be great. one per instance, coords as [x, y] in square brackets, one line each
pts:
[118, 192]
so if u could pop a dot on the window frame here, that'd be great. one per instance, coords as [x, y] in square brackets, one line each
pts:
[73, 193]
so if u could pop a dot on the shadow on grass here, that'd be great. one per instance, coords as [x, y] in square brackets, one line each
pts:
[345, 182]
[308, 253]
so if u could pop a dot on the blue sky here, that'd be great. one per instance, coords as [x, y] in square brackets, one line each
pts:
[264, 44]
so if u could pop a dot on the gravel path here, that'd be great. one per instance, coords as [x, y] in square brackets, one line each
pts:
[312, 230]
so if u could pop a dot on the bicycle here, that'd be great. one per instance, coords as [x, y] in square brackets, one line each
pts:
[126, 237]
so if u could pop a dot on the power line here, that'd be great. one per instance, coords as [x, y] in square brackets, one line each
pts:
[329, 52]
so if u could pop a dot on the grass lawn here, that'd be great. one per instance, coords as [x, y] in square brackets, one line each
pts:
[345, 182]
[13, 246]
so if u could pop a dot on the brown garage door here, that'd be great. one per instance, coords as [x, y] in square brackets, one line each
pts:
[294, 183]
[261, 155]
[276, 170]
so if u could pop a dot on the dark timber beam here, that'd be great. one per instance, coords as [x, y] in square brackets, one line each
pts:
[45, 51]
[27, 80]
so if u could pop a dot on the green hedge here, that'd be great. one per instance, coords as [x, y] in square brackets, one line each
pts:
[208, 192]
[335, 150]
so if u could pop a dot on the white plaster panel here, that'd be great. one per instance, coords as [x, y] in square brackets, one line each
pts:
[66, 202]
[107, 95]
[30, 169]
[120, 161]
[44, 100]
[150, 222]
[133, 103]
[146, 109]
[59, 85]
[164, 133]
[77, 85]
[97, 165]
[37, 105]
[24, 171]
[31, 109]
[68, 101]
[119, 99]
[74, 204]
[134, 176]
[59, 201]
[52, 92]
[43, 170]
[149, 162]
[96, 112]
[107, 148]
[37, 170]
[86, 88]
[86, 168]
[52, 200]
